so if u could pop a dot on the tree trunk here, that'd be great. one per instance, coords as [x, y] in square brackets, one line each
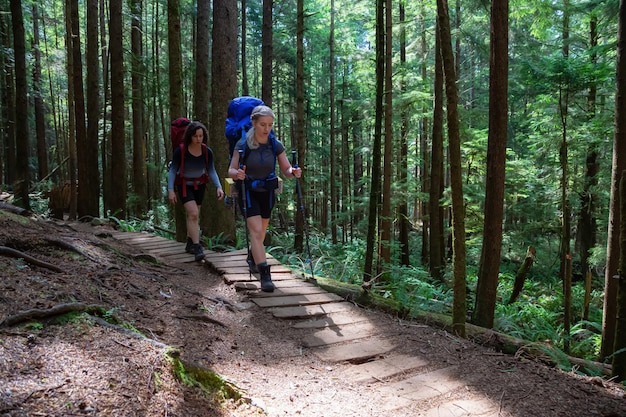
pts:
[456, 180]
[403, 166]
[7, 104]
[40, 124]
[374, 198]
[139, 202]
[118, 139]
[176, 96]
[489, 268]
[267, 52]
[618, 166]
[299, 122]
[386, 213]
[22, 179]
[245, 89]
[71, 129]
[223, 89]
[333, 160]
[437, 237]
[93, 101]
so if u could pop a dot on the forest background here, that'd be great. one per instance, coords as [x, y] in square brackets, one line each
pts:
[446, 148]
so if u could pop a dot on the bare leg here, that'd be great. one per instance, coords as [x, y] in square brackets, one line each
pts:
[257, 228]
[193, 228]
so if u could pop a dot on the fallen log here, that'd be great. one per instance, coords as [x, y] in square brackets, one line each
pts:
[7, 251]
[37, 313]
[14, 209]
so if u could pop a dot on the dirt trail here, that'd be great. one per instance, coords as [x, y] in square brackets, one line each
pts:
[283, 364]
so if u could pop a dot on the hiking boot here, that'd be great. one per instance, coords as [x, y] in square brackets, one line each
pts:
[266, 278]
[251, 264]
[189, 246]
[198, 253]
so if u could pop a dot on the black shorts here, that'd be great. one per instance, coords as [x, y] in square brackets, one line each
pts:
[258, 203]
[197, 195]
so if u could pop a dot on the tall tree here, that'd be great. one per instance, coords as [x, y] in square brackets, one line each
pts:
[436, 244]
[375, 187]
[87, 160]
[40, 124]
[7, 92]
[267, 52]
[245, 89]
[175, 95]
[299, 122]
[386, 214]
[618, 166]
[403, 210]
[140, 189]
[94, 88]
[22, 179]
[456, 180]
[489, 268]
[223, 89]
[118, 139]
[201, 84]
[334, 198]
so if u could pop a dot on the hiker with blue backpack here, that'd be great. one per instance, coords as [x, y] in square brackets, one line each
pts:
[253, 165]
[191, 169]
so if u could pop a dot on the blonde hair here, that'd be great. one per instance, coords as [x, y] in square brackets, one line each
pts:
[258, 111]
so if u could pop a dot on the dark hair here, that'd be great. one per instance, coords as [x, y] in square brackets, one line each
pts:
[191, 130]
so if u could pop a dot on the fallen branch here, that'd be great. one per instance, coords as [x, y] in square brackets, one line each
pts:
[37, 313]
[6, 251]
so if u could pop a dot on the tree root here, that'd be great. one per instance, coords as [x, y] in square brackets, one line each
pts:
[202, 317]
[6, 251]
[70, 247]
[128, 332]
[50, 312]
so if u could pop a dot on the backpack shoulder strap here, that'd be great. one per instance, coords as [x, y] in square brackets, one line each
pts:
[181, 146]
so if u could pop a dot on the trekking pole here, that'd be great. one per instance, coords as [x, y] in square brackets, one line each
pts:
[244, 204]
[294, 164]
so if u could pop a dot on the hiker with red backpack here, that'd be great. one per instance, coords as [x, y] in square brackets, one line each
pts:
[191, 169]
[253, 165]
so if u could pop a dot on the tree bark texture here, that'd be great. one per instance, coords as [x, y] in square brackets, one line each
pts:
[22, 135]
[118, 139]
[619, 357]
[223, 89]
[489, 268]
[456, 180]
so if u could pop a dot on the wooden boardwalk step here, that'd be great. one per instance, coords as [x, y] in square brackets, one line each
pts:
[339, 334]
[330, 320]
[383, 368]
[296, 300]
[299, 312]
[424, 386]
[356, 352]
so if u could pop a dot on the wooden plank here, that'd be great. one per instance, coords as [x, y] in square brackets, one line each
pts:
[338, 334]
[231, 254]
[287, 283]
[299, 312]
[359, 351]
[243, 269]
[424, 386]
[296, 300]
[335, 319]
[281, 291]
[247, 277]
[138, 238]
[383, 368]
[229, 263]
[166, 250]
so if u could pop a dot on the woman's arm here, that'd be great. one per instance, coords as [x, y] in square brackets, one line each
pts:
[286, 168]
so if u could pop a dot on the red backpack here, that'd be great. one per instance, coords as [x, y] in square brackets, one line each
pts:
[177, 134]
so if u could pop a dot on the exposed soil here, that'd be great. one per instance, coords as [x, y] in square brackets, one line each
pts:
[80, 365]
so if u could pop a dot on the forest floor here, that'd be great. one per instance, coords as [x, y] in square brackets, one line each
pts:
[79, 365]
